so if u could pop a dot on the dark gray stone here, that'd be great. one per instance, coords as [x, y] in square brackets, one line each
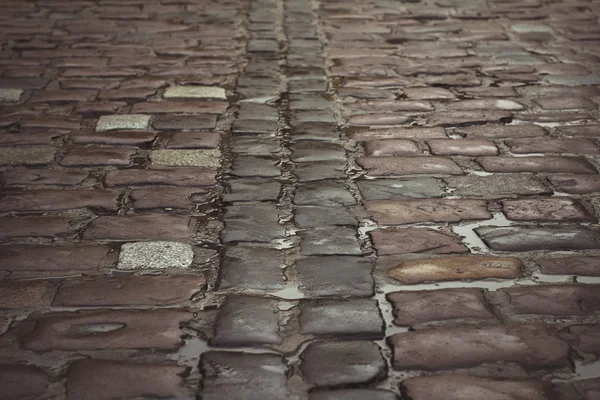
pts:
[311, 151]
[257, 112]
[251, 223]
[314, 131]
[387, 189]
[338, 363]
[355, 318]
[330, 240]
[313, 116]
[247, 321]
[255, 145]
[497, 185]
[252, 189]
[335, 276]
[313, 216]
[245, 166]
[323, 193]
[252, 268]
[243, 376]
[525, 238]
[320, 170]
[254, 127]
[308, 102]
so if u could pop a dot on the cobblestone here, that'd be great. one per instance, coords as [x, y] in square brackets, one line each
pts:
[322, 190]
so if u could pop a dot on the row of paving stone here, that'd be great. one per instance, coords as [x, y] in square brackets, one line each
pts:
[300, 308]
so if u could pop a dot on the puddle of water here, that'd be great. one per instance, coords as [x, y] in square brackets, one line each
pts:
[290, 293]
[491, 285]
[471, 239]
[528, 155]
[480, 173]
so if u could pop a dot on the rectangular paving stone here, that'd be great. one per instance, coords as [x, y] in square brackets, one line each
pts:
[462, 147]
[323, 193]
[123, 122]
[329, 241]
[529, 345]
[174, 107]
[106, 330]
[537, 164]
[241, 376]
[590, 130]
[247, 321]
[497, 186]
[155, 255]
[132, 138]
[94, 156]
[316, 171]
[453, 386]
[33, 257]
[399, 212]
[247, 166]
[57, 200]
[315, 216]
[398, 133]
[22, 381]
[568, 145]
[16, 294]
[525, 238]
[423, 306]
[386, 166]
[323, 276]
[471, 267]
[577, 184]
[186, 158]
[255, 268]
[548, 209]
[140, 227]
[574, 265]
[27, 155]
[349, 318]
[415, 240]
[557, 300]
[181, 122]
[39, 226]
[95, 379]
[194, 140]
[389, 189]
[462, 118]
[391, 147]
[186, 177]
[252, 223]
[501, 131]
[166, 198]
[195, 92]
[129, 290]
[252, 189]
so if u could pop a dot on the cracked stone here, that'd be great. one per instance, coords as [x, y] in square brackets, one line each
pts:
[155, 255]
[123, 122]
[252, 223]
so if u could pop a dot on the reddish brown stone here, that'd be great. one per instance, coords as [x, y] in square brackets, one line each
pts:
[128, 290]
[126, 94]
[133, 138]
[50, 122]
[193, 177]
[536, 164]
[457, 387]
[25, 294]
[94, 108]
[140, 227]
[192, 107]
[577, 184]
[98, 156]
[108, 379]
[56, 200]
[530, 346]
[559, 300]
[33, 226]
[577, 265]
[25, 257]
[502, 131]
[106, 329]
[29, 138]
[422, 306]
[46, 96]
[26, 177]
[572, 146]
[18, 381]
[194, 140]
[382, 166]
[464, 147]
[455, 268]
[398, 212]
[415, 240]
[552, 209]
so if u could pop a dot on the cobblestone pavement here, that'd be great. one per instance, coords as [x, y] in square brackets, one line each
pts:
[300, 199]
